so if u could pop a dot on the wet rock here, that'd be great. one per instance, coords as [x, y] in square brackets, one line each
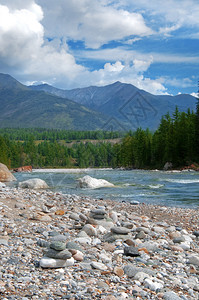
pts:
[34, 183]
[93, 183]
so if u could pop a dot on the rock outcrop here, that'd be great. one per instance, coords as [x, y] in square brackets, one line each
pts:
[34, 183]
[23, 169]
[93, 183]
[5, 174]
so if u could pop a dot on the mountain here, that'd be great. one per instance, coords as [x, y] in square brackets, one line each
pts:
[24, 107]
[126, 105]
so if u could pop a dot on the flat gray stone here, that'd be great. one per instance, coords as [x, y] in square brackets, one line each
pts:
[73, 245]
[130, 270]
[171, 296]
[58, 245]
[59, 238]
[120, 230]
[178, 240]
[112, 237]
[64, 254]
[131, 251]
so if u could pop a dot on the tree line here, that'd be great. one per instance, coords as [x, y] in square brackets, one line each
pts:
[176, 140]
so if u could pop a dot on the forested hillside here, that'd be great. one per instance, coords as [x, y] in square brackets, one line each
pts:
[176, 140]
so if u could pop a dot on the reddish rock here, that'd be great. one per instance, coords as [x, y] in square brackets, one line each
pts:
[5, 174]
[23, 169]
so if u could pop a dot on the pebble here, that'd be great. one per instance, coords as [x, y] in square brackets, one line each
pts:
[95, 249]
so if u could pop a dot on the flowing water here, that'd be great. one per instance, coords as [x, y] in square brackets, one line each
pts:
[151, 187]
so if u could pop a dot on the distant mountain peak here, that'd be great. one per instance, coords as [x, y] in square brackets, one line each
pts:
[7, 81]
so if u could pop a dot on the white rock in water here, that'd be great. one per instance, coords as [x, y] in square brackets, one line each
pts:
[34, 183]
[53, 263]
[93, 183]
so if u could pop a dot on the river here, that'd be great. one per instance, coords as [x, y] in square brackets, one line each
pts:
[151, 187]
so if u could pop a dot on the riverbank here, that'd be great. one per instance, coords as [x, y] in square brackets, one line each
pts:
[151, 252]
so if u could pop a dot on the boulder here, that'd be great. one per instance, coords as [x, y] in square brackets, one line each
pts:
[35, 183]
[93, 183]
[168, 166]
[5, 174]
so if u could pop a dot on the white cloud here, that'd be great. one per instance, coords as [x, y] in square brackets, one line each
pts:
[23, 47]
[91, 21]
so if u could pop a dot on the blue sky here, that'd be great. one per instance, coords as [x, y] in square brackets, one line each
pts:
[68, 44]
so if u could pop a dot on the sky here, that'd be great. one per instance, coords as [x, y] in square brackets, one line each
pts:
[153, 45]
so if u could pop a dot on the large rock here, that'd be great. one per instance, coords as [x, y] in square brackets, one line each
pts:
[5, 174]
[168, 166]
[93, 183]
[23, 169]
[34, 183]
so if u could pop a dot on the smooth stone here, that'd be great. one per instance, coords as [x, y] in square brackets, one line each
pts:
[82, 234]
[118, 271]
[150, 246]
[196, 233]
[131, 251]
[74, 216]
[41, 216]
[111, 237]
[120, 230]
[4, 240]
[58, 245]
[98, 217]
[141, 276]
[179, 239]
[99, 266]
[101, 229]
[98, 211]
[194, 260]
[90, 230]
[53, 263]
[177, 248]
[171, 296]
[93, 183]
[70, 262]
[146, 230]
[153, 285]
[73, 245]
[130, 270]
[78, 256]
[35, 183]
[158, 229]
[113, 216]
[59, 238]
[64, 254]
[83, 240]
[140, 235]
[185, 246]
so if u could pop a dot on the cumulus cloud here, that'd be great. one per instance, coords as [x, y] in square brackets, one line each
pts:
[23, 46]
[91, 21]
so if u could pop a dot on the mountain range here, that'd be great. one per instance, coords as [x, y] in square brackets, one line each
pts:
[117, 106]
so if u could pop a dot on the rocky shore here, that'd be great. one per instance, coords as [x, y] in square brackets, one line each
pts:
[57, 246]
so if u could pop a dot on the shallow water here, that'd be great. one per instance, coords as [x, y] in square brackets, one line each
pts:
[154, 187]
